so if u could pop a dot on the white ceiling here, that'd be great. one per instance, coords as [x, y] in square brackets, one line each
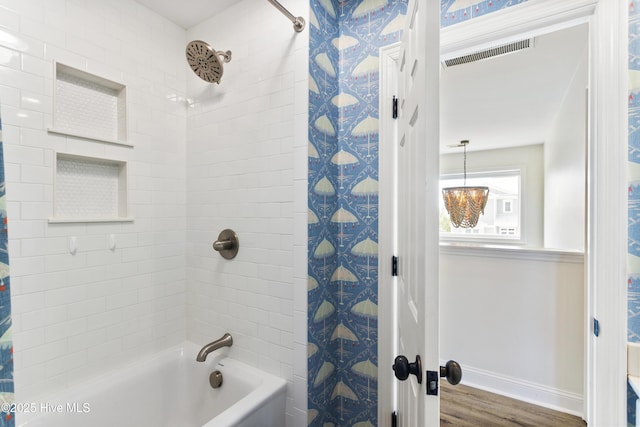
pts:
[503, 101]
[512, 99]
[187, 16]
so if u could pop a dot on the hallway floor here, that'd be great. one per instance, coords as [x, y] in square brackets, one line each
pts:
[463, 406]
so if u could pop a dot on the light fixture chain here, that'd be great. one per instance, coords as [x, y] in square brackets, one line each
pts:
[465, 164]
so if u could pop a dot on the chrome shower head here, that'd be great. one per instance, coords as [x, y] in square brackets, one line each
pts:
[205, 61]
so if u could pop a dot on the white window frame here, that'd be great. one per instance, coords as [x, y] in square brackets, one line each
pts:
[474, 238]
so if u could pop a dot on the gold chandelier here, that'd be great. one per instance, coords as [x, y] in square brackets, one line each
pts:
[465, 204]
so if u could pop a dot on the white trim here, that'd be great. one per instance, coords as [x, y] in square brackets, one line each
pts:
[524, 254]
[529, 19]
[389, 57]
[80, 135]
[605, 394]
[526, 391]
[88, 220]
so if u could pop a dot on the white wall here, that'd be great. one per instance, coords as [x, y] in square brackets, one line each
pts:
[247, 170]
[529, 159]
[564, 164]
[76, 316]
[514, 320]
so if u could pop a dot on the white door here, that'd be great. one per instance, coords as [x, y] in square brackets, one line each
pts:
[416, 214]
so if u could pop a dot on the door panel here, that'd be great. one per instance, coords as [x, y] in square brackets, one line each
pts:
[416, 219]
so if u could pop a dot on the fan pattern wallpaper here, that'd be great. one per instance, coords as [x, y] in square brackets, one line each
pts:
[343, 199]
[343, 206]
[6, 341]
[455, 11]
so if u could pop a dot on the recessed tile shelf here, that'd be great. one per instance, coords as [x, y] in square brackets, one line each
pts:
[89, 189]
[88, 106]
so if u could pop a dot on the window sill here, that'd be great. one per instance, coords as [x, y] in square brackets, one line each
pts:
[512, 252]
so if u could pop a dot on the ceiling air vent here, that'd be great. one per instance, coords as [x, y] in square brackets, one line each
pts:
[489, 53]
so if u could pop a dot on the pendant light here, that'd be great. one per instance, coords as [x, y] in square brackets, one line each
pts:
[465, 204]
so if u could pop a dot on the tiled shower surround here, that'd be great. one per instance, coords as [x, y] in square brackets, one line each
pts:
[76, 316]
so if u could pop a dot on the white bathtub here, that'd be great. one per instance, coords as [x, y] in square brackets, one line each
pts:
[168, 390]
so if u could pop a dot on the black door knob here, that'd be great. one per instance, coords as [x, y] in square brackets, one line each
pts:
[403, 368]
[452, 372]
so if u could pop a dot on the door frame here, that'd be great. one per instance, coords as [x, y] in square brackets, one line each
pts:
[605, 395]
[387, 324]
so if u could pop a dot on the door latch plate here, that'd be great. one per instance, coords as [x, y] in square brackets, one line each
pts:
[432, 383]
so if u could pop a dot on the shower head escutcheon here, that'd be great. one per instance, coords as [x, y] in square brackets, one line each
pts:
[205, 61]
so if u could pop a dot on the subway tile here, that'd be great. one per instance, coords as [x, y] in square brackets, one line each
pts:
[43, 31]
[9, 19]
[25, 266]
[85, 307]
[9, 58]
[36, 175]
[41, 318]
[39, 67]
[31, 101]
[85, 340]
[25, 377]
[42, 282]
[22, 43]
[65, 363]
[64, 296]
[46, 246]
[65, 262]
[65, 329]
[43, 353]
[23, 155]
[29, 339]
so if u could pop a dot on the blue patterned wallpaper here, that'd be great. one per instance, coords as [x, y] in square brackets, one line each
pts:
[343, 206]
[455, 11]
[6, 342]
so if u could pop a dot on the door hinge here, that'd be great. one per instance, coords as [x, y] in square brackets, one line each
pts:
[596, 327]
[432, 383]
[394, 114]
[394, 419]
[394, 266]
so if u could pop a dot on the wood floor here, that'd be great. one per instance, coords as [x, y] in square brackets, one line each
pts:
[463, 406]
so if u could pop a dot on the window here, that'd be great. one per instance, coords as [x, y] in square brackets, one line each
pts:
[501, 219]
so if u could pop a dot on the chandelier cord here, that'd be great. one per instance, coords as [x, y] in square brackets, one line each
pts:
[465, 164]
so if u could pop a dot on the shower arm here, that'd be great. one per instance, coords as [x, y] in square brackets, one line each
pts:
[298, 23]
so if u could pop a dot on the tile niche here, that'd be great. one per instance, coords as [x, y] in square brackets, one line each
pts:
[90, 108]
[89, 189]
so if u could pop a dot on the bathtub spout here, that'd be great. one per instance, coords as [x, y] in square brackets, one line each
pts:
[225, 341]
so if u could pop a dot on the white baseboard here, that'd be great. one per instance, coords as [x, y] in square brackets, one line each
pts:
[548, 397]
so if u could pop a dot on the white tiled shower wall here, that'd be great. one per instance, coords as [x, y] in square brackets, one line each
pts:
[78, 315]
[247, 170]
[238, 161]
